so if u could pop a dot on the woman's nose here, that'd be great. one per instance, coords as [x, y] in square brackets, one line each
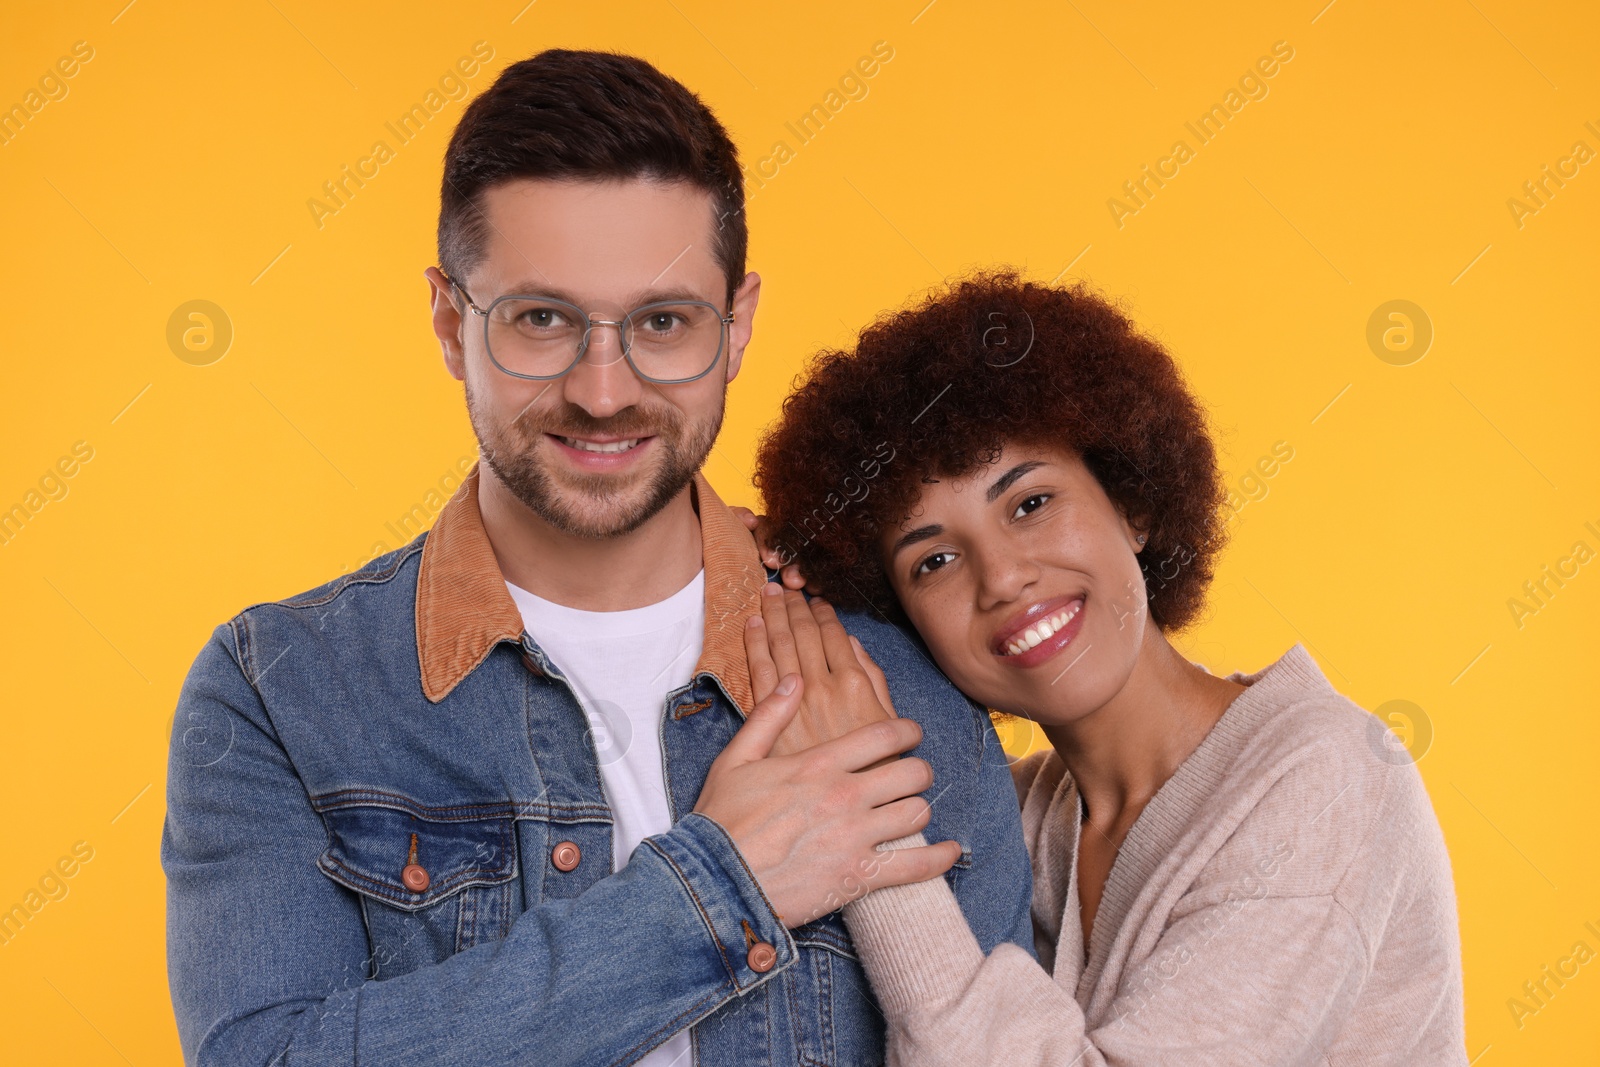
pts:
[1003, 577]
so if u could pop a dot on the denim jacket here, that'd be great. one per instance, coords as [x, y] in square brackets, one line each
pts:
[387, 841]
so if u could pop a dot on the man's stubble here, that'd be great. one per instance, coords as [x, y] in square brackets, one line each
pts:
[594, 506]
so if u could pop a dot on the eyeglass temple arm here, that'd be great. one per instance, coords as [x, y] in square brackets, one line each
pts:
[463, 291]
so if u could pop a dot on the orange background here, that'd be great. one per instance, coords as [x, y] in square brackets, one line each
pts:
[1426, 485]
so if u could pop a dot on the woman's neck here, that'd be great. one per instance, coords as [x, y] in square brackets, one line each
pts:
[1121, 753]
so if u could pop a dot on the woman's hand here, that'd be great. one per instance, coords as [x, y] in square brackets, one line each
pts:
[770, 556]
[844, 689]
[809, 824]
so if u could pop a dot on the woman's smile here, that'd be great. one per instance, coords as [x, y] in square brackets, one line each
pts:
[1039, 632]
[1011, 572]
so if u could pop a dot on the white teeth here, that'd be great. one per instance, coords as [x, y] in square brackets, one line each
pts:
[597, 446]
[1040, 631]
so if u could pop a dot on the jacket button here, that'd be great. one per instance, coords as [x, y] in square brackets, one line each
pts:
[761, 957]
[565, 856]
[415, 877]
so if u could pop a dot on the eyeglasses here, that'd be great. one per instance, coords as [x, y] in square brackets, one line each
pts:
[541, 338]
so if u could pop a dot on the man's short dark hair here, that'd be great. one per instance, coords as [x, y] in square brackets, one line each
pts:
[566, 114]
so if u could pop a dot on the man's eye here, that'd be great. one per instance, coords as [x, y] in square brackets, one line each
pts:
[933, 563]
[543, 318]
[662, 322]
[1030, 505]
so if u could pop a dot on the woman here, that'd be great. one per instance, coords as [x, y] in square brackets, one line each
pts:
[1227, 870]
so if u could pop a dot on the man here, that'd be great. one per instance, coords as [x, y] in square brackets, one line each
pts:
[466, 804]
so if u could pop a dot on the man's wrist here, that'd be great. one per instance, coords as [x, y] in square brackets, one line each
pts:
[742, 923]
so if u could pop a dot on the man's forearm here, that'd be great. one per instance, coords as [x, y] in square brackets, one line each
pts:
[269, 957]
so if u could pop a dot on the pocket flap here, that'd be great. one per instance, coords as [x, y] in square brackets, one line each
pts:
[370, 846]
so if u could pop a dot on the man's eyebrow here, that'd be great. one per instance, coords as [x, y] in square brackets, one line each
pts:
[672, 293]
[1009, 478]
[540, 288]
[648, 296]
[921, 533]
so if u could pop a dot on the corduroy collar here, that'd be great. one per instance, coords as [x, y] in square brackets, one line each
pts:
[464, 609]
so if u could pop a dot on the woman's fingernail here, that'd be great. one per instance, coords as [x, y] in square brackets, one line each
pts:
[773, 589]
[786, 686]
[753, 622]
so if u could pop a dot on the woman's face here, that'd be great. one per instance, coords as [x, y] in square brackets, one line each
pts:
[1024, 581]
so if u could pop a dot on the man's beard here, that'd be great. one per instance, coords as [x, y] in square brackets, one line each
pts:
[594, 506]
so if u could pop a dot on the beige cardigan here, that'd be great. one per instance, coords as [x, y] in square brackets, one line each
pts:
[1284, 898]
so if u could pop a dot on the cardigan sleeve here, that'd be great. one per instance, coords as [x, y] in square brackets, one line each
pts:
[1346, 946]
[1247, 980]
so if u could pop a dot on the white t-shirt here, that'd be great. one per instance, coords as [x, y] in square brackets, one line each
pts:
[622, 665]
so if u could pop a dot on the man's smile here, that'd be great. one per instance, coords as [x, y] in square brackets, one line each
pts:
[601, 452]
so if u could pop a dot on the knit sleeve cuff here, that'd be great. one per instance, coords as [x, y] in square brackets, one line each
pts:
[914, 942]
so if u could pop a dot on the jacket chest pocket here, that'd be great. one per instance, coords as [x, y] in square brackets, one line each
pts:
[429, 887]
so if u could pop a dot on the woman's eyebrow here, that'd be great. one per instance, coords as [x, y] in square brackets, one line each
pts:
[921, 533]
[1009, 478]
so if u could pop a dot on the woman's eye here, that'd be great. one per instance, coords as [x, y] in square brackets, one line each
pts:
[933, 563]
[1030, 505]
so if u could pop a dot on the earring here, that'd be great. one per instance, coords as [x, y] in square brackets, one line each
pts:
[1141, 539]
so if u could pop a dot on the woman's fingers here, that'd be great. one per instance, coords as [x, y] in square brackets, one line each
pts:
[835, 641]
[763, 672]
[758, 525]
[814, 661]
[880, 684]
[792, 578]
[766, 544]
[780, 640]
[846, 654]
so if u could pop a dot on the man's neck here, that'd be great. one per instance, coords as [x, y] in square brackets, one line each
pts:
[633, 570]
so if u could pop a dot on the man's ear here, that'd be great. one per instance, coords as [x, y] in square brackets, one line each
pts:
[745, 299]
[447, 324]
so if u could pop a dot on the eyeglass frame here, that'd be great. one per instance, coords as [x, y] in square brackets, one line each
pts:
[590, 322]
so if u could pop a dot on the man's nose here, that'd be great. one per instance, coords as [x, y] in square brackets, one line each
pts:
[602, 383]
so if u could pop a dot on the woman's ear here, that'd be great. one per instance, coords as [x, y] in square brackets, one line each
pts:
[1136, 530]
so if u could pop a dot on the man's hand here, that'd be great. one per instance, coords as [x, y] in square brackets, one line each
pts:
[809, 824]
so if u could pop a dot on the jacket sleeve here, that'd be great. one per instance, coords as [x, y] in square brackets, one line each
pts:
[268, 958]
[996, 892]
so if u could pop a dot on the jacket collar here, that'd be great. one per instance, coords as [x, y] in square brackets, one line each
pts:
[464, 608]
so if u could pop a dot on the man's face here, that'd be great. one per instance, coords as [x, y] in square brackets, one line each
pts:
[598, 452]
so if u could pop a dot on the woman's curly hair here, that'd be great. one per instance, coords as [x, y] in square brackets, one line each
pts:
[940, 387]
